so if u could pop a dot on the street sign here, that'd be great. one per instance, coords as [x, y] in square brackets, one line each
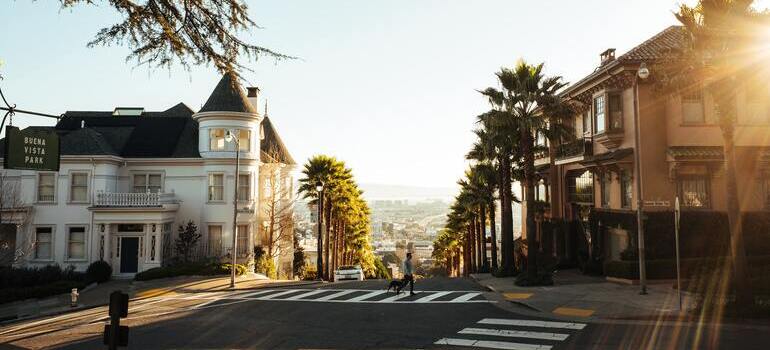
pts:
[118, 304]
[35, 149]
[114, 334]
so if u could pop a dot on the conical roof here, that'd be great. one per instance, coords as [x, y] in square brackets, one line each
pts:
[228, 97]
[272, 148]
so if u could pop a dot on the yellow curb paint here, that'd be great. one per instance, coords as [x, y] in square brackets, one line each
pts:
[568, 311]
[153, 292]
[517, 296]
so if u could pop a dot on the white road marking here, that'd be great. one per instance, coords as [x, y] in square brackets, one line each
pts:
[533, 323]
[334, 295]
[394, 298]
[430, 297]
[272, 296]
[367, 296]
[514, 334]
[491, 344]
[251, 294]
[300, 296]
[465, 297]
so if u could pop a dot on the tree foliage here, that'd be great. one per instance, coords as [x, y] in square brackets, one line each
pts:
[187, 240]
[160, 33]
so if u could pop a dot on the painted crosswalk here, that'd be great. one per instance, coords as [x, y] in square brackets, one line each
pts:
[338, 296]
[513, 334]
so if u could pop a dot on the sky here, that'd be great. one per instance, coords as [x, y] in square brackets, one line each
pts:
[389, 87]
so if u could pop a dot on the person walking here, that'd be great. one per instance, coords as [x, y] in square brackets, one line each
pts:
[409, 273]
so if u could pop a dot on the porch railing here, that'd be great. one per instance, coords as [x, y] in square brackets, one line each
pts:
[574, 148]
[120, 199]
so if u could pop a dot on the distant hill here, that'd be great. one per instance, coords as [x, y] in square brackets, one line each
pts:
[412, 193]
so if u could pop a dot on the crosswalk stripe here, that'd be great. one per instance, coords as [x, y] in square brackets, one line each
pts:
[395, 297]
[430, 297]
[272, 296]
[367, 295]
[335, 295]
[464, 297]
[300, 296]
[533, 323]
[491, 344]
[251, 294]
[514, 334]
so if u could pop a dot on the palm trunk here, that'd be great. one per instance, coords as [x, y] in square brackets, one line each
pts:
[743, 294]
[493, 235]
[508, 267]
[479, 246]
[474, 246]
[467, 252]
[529, 177]
[326, 243]
[483, 230]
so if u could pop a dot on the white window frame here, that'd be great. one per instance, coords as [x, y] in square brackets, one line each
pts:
[37, 187]
[211, 139]
[249, 186]
[147, 175]
[51, 243]
[209, 186]
[599, 127]
[244, 143]
[70, 191]
[68, 240]
[221, 227]
[245, 239]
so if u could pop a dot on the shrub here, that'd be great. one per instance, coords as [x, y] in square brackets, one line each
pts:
[381, 272]
[263, 263]
[192, 269]
[311, 275]
[99, 271]
[37, 276]
[8, 295]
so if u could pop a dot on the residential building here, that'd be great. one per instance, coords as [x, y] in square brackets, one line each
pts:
[129, 178]
[680, 149]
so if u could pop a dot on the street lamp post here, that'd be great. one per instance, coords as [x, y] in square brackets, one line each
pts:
[230, 137]
[319, 187]
[642, 73]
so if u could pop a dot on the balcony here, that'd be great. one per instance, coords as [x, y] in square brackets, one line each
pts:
[612, 138]
[575, 150]
[134, 200]
[541, 156]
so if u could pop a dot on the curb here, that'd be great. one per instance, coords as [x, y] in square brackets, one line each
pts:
[520, 303]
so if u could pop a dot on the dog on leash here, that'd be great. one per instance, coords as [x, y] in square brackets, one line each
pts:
[396, 286]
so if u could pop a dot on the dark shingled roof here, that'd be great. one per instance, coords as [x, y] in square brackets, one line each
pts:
[170, 133]
[272, 149]
[228, 96]
[650, 50]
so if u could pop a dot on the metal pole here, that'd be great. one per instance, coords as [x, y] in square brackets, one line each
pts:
[235, 212]
[319, 246]
[677, 214]
[639, 199]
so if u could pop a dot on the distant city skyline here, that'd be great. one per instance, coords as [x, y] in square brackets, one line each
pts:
[387, 86]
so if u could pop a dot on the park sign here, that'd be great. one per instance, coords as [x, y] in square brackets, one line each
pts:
[31, 149]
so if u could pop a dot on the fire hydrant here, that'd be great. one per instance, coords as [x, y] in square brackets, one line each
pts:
[74, 297]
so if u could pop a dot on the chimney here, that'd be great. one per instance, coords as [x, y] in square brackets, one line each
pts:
[253, 96]
[607, 56]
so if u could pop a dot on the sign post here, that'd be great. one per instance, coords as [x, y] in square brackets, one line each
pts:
[31, 149]
[114, 334]
[677, 215]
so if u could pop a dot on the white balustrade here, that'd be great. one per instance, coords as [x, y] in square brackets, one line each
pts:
[148, 199]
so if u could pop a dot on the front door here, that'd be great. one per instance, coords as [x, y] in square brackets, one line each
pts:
[129, 254]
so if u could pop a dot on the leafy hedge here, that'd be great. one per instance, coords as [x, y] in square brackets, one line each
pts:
[37, 276]
[191, 269]
[8, 295]
[702, 234]
[690, 267]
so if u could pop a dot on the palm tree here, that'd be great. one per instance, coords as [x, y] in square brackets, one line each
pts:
[524, 90]
[496, 138]
[724, 46]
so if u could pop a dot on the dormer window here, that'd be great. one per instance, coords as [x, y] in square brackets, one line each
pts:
[128, 111]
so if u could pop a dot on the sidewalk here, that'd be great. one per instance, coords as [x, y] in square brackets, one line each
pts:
[589, 297]
[136, 290]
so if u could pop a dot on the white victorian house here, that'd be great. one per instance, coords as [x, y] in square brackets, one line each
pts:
[129, 178]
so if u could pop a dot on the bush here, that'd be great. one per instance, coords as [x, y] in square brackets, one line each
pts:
[263, 263]
[37, 276]
[192, 269]
[311, 275]
[8, 295]
[690, 267]
[99, 271]
[381, 272]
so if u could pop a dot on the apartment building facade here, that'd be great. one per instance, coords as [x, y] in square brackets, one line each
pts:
[680, 146]
[129, 178]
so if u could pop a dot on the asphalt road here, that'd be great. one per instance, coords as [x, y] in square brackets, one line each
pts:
[446, 313]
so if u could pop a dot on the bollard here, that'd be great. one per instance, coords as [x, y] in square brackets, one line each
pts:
[74, 297]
